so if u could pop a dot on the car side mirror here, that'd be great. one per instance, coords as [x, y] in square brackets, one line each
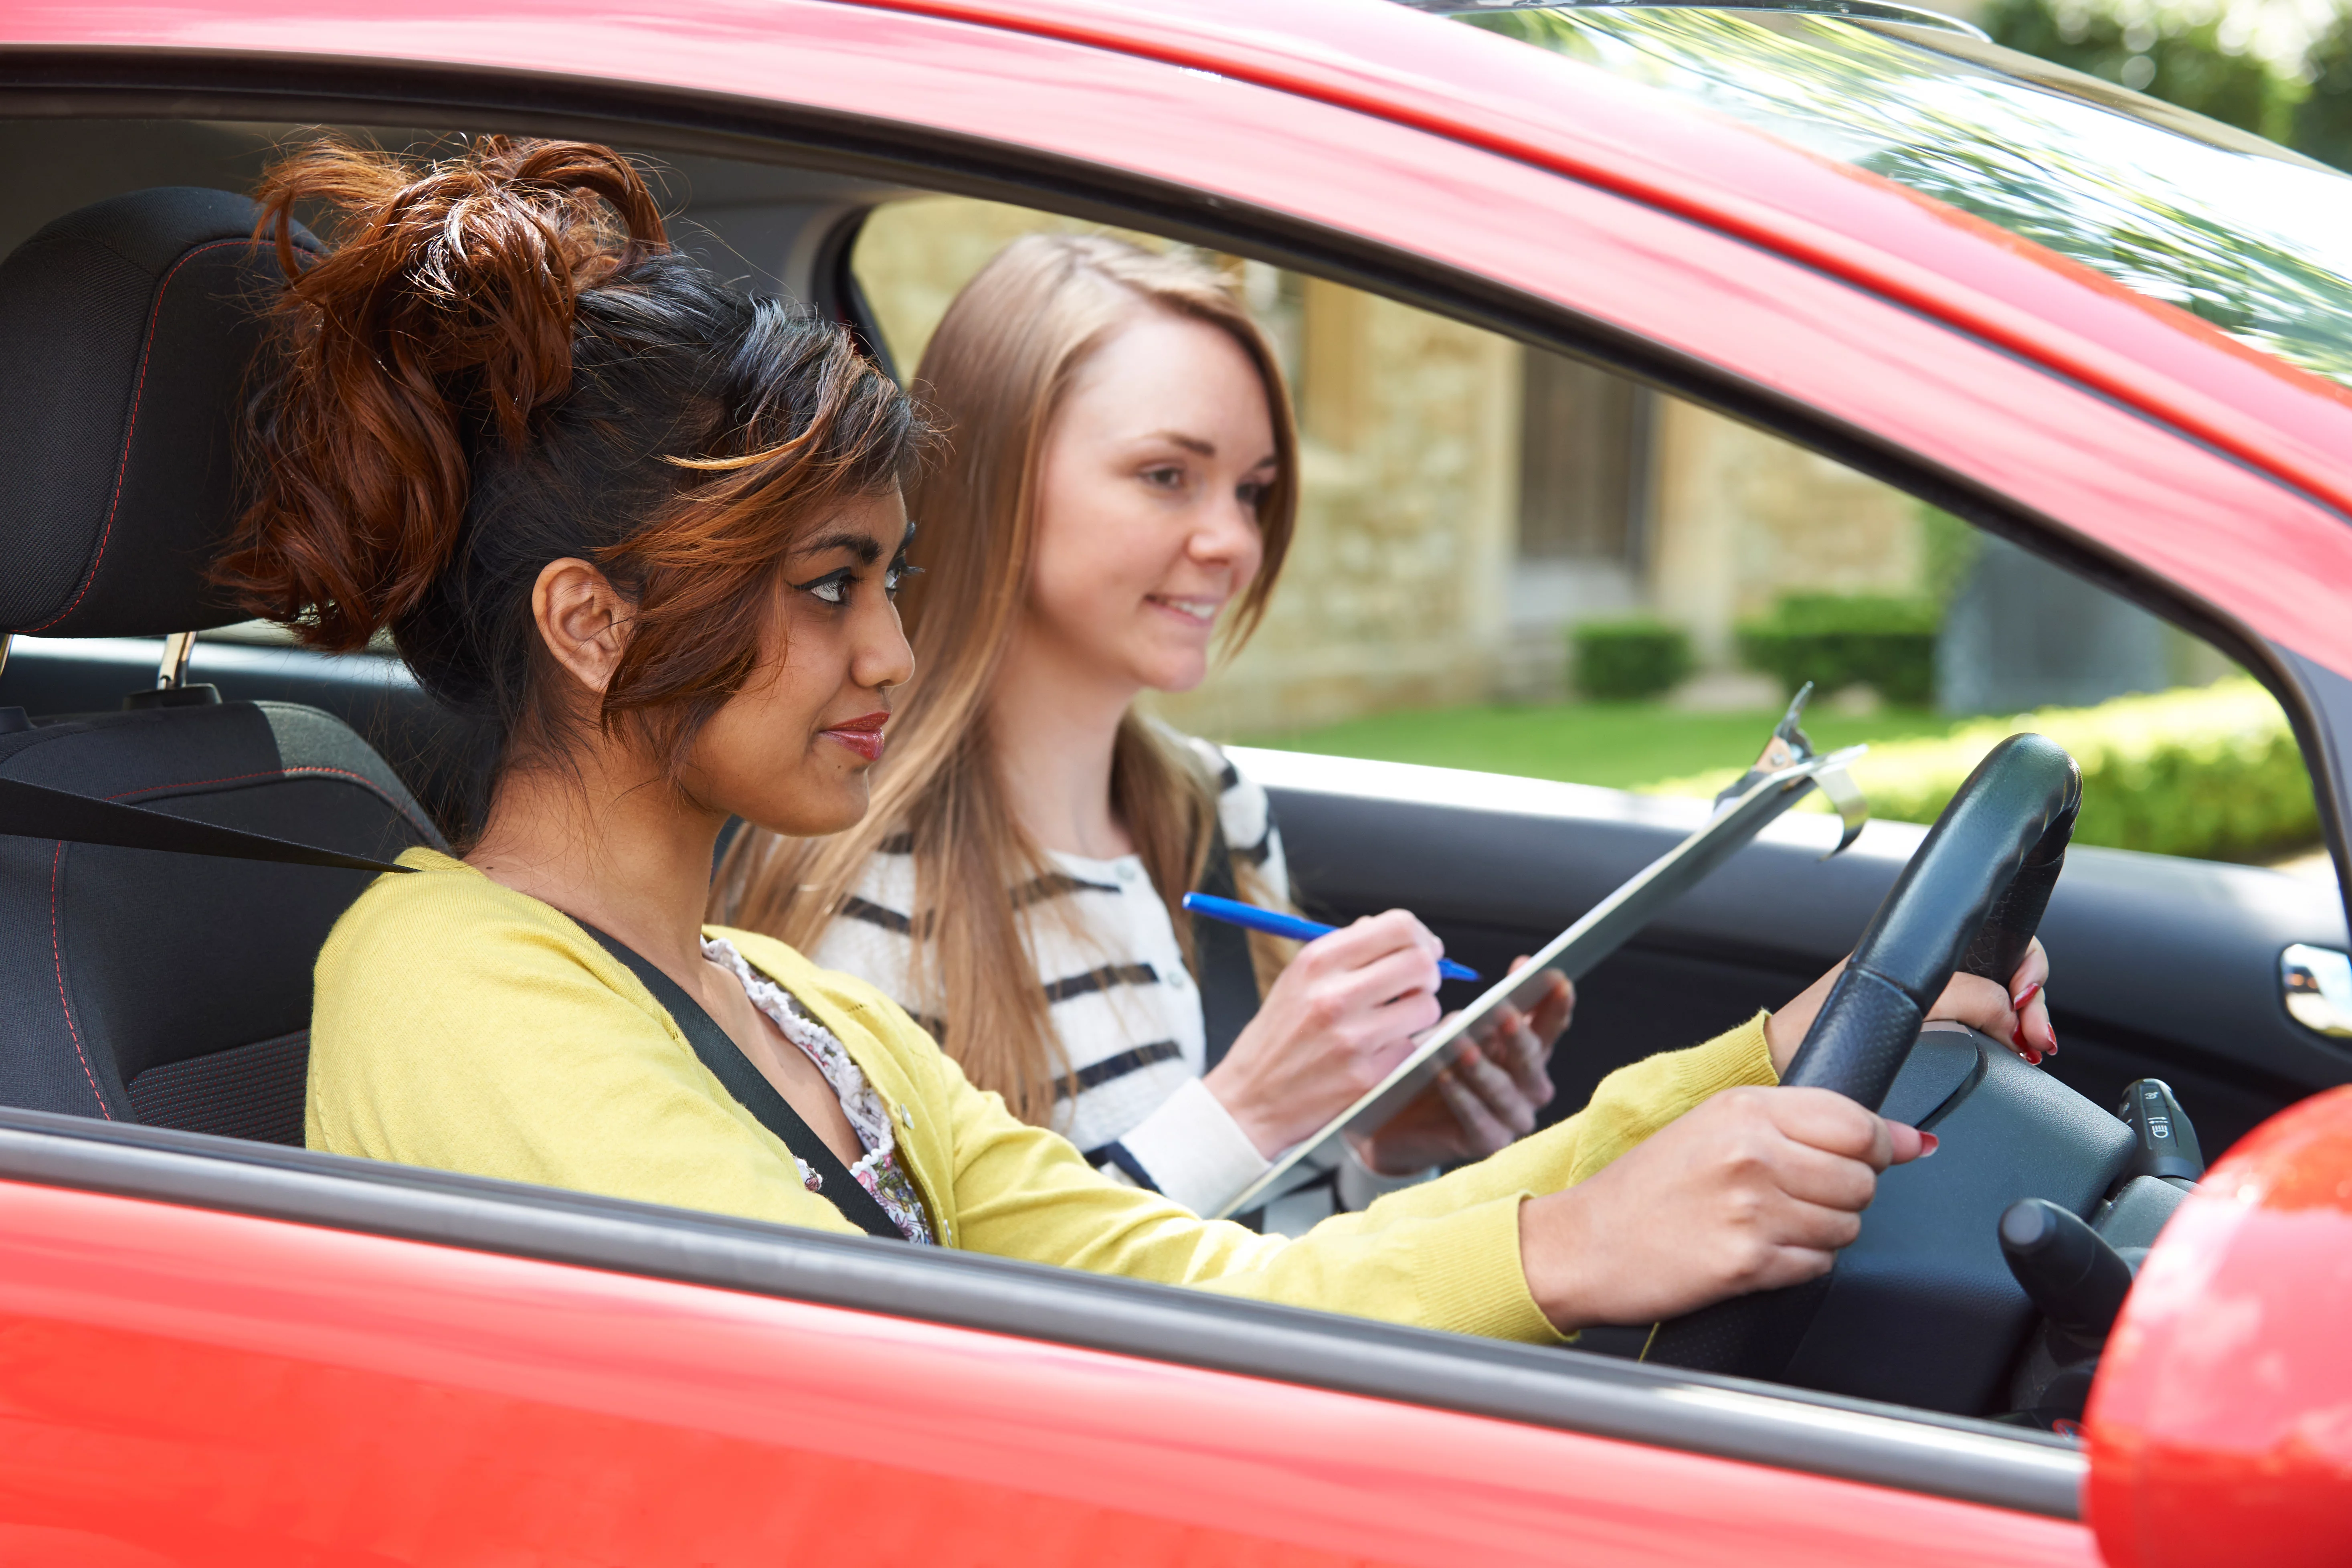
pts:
[2220, 1425]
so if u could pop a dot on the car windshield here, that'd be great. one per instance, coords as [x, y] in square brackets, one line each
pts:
[2252, 238]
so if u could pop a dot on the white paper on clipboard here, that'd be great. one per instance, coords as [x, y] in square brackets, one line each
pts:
[1572, 953]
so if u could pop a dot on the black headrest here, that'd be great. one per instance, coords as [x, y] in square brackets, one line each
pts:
[126, 330]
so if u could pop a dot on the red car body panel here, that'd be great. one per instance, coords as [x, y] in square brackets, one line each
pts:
[222, 1389]
[2222, 1418]
[174, 1377]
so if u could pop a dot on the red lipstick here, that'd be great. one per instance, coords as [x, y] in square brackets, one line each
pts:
[862, 734]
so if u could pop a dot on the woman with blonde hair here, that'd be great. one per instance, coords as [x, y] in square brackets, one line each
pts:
[1122, 477]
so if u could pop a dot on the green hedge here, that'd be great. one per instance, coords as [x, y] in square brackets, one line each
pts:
[2209, 771]
[1628, 661]
[1837, 640]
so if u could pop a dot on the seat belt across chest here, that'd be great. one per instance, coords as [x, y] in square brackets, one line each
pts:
[735, 1072]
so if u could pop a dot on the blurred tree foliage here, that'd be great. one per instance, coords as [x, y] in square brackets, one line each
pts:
[2323, 120]
[2174, 59]
[2185, 60]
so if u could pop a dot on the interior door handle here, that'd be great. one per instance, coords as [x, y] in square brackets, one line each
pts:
[2316, 983]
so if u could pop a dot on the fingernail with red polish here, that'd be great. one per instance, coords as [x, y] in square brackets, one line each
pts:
[2025, 998]
[2017, 1038]
[1928, 1144]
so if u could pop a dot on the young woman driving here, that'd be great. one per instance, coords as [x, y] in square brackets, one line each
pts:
[1122, 478]
[652, 532]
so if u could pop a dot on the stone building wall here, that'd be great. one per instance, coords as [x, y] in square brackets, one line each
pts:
[913, 256]
[1742, 517]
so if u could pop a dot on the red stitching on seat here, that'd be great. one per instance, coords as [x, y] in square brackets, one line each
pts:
[57, 953]
[263, 773]
[146, 352]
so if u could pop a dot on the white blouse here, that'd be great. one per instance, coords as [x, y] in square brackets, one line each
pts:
[877, 1170]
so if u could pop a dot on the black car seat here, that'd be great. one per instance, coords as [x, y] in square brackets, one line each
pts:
[166, 988]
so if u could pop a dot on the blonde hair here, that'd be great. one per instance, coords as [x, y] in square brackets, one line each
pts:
[995, 374]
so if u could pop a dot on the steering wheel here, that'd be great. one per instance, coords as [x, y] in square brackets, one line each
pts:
[1970, 898]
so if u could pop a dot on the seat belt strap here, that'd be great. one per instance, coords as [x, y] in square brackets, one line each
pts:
[751, 1089]
[1229, 997]
[35, 811]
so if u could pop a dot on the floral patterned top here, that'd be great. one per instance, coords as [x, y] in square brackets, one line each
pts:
[879, 1172]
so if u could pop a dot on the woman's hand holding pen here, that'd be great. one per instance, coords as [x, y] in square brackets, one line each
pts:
[1341, 1016]
[1338, 1020]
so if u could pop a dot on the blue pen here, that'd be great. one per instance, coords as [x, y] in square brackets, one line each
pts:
[1274, 923]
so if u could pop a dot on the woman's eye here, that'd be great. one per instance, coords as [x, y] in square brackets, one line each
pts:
[833, 590]
[1167, 478]
[1253, 494]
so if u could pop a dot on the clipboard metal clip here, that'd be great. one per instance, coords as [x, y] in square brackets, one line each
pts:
[1789, 746]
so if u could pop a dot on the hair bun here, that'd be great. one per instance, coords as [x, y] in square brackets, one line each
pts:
[442, 315]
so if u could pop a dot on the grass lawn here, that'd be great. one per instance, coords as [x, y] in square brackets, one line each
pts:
[1619, 744]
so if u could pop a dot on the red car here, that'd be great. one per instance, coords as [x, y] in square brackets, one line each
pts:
[2105, 331]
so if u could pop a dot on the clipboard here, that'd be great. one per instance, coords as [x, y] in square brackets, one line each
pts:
[1780, 778]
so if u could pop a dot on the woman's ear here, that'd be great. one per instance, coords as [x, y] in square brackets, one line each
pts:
[583, 619]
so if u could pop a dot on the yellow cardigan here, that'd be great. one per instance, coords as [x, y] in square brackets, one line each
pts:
[461, 1025]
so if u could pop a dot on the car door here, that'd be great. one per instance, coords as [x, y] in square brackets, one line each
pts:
[211, 1277]
[217, 1355]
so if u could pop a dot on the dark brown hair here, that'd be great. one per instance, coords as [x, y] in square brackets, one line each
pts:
[499, 362]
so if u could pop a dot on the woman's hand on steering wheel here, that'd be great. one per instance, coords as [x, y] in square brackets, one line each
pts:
[1753, 1189]
[2018, 1015]
[1488, 1100]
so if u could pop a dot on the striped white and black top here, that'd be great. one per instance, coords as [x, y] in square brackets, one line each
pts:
[1128, 1012]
